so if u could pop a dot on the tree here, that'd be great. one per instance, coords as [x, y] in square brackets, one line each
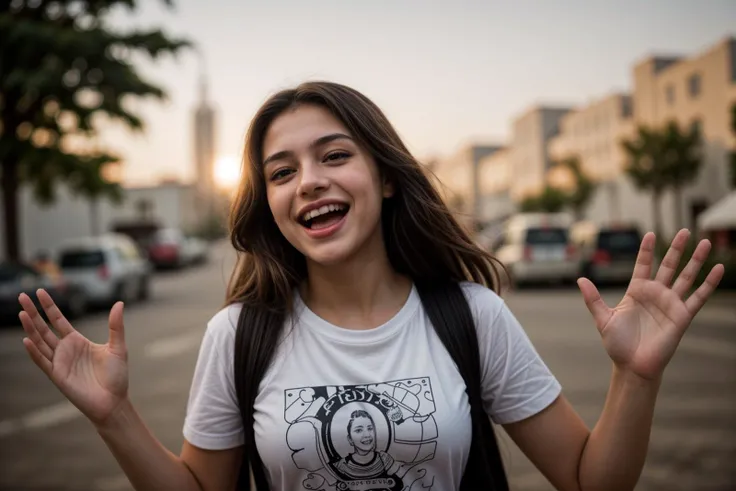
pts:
[584, 188]
[63, 71]
[551, 200]
[682, 160]
[663, 159]
[646, 168]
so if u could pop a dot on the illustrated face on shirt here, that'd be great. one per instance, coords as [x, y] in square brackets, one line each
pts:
[362, 433]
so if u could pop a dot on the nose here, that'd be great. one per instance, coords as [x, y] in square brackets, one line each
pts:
[313, 181]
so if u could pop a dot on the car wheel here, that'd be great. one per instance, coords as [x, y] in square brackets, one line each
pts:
[144, 288]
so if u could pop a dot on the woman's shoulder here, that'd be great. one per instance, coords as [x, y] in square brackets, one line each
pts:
[480, 296]
[223, 324]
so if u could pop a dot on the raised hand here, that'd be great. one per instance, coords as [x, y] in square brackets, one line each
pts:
[643, 331]
[94, 377]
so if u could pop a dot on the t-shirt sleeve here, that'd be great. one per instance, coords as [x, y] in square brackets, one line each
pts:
[213, 417]
[515, 381]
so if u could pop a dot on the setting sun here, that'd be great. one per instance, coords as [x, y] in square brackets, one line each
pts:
[227, 171]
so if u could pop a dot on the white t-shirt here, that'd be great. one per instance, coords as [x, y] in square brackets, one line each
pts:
[378, 409]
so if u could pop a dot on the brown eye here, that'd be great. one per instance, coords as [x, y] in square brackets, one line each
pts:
[280, 174]
[337, 156]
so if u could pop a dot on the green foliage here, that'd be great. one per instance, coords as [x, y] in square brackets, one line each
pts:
[646, 166]
[63, 71]
[550, 200]
[663, 159]
[584, 188]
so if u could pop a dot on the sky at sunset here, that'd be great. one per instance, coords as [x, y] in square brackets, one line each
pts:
[444, 72]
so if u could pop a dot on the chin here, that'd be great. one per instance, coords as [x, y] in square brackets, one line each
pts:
[328, 254]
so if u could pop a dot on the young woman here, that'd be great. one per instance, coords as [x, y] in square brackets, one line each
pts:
[336, 224]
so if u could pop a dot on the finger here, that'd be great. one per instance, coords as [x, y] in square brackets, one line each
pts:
[34, 336]
[643, 266]
[685, 280]
[38, 322]
[55, 316]
[672, 259]
[599, 310]
[41, 361]
[117, 329]
[696, 301]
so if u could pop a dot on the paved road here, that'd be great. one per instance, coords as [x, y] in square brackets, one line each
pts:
[46, 445]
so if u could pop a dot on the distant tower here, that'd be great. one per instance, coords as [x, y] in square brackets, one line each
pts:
[204, 149]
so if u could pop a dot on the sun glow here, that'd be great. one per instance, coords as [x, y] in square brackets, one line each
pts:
[227, 171]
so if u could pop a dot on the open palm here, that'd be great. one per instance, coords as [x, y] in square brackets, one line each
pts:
[94, 377]
[643, 331]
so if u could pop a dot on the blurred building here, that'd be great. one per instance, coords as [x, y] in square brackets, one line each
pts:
[459, 178]
[494, 176]
[70, 216]
[530, 160]
[204, 153]
[592, 134]
[693, 91]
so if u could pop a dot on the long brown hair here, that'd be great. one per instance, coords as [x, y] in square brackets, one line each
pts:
[423, 239]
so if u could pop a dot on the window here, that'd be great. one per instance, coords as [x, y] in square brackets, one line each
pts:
[693, 85]
[545, 236]
[670, 94]
[82, 259]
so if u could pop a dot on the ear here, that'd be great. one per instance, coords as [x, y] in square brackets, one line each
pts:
[388, 188]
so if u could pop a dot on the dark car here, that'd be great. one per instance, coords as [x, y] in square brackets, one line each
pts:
[17, 278]
[608, 252]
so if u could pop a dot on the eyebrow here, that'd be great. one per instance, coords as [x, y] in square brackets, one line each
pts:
[316, 143]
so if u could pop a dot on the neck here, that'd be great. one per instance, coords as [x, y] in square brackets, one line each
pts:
[360, 293]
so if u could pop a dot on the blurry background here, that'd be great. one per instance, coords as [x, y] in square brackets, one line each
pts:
[559, 133]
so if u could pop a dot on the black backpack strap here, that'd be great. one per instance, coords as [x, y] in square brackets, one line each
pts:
[452, 319]
[256, 340]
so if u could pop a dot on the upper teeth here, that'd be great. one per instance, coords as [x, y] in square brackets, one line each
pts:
[322, 210]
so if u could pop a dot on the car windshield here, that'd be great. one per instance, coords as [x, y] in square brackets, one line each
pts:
[546, 236]
[82, 259]
[619, 240]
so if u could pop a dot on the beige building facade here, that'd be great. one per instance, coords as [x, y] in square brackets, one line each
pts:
[593, 134]
[494, 176]
[530, 160]
[459, 178]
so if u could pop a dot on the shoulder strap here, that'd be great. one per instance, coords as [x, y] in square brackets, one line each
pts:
[256, 339]
[452, 319]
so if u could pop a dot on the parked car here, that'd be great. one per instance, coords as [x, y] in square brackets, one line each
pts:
[171, 248]
[18, 277]
[109, 268]
[607, 252]
[536, 247]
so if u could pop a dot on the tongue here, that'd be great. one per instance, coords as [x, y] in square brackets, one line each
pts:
[326, 220]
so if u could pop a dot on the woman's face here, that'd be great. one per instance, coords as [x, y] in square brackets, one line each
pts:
[363, 435]
[324, 191]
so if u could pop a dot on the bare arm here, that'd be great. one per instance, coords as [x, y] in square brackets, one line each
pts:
[610, 457]
[640, 335]
[150, 466]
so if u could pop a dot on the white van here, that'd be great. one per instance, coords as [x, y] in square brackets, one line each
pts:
[109, 268]
[536, 247]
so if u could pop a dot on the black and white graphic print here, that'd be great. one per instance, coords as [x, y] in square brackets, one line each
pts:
[363, 437]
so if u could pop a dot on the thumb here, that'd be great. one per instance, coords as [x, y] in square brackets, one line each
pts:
[117, 330]
[597, 307]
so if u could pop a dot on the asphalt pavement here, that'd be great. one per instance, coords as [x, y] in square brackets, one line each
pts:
[45, 444]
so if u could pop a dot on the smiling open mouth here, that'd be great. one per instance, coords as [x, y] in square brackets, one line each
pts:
[324, 217]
